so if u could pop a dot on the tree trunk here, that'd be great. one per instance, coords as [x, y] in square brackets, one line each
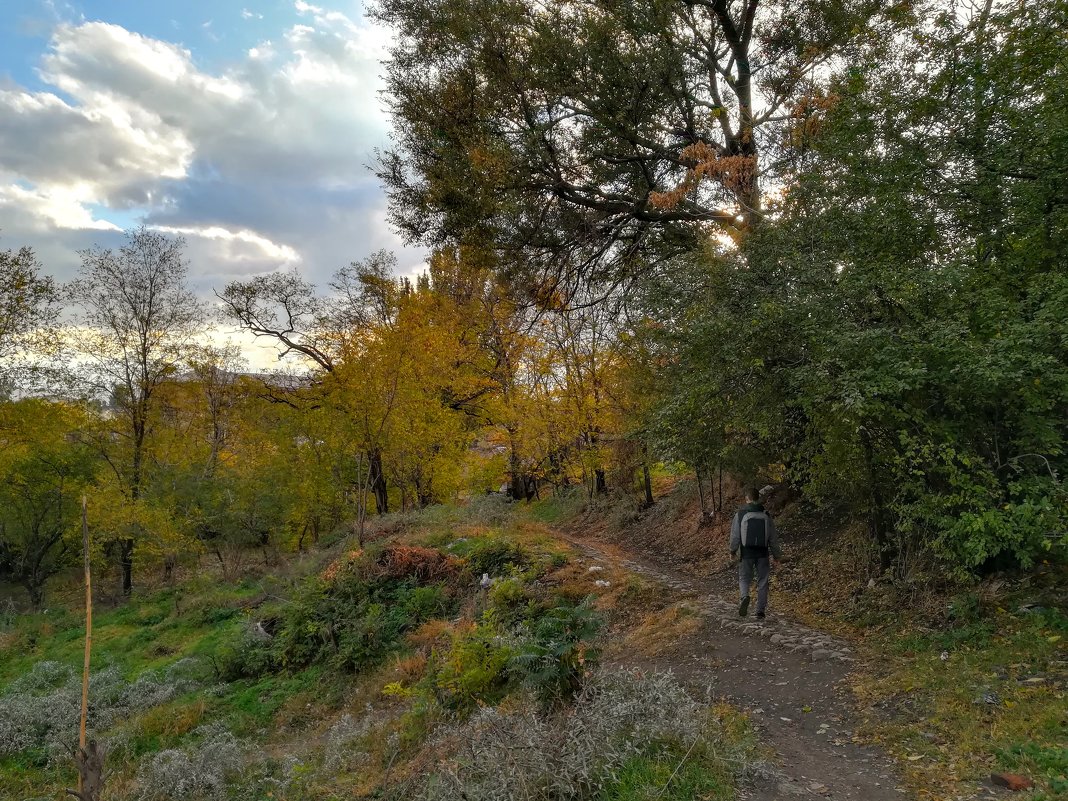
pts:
[126, 548]
[378, 482]
[878, 514]
[517, 485]
[90, 763]
[648, 481]
[701, 494]
[35, 589]
[600, 485]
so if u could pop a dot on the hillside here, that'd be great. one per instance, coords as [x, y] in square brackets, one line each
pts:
[594, 667]
[367, 674]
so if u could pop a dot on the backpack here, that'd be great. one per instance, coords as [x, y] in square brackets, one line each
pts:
[754, 529]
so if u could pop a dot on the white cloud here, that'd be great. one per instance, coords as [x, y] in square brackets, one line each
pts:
[260, 165]
[240, 246]
[61, 206]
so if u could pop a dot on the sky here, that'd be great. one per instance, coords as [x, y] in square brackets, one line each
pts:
[246, 127]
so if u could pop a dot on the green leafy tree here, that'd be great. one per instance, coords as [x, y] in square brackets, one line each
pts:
[44, 469]
[595, 136]
[895, 334]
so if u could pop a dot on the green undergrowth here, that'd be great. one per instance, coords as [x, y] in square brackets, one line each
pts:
[642, 777]
[960, 681]
[151, 631]
[982, 695]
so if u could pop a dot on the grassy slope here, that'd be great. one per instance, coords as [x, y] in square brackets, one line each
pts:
[960, 681]
[290, 714]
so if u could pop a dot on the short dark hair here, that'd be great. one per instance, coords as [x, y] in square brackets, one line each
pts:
[752, 494]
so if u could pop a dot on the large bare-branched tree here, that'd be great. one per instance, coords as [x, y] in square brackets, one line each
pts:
[137, 320]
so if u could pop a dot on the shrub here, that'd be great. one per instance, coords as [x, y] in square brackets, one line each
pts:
[489, 510]
[510, 599]
[424, 565]
[493, 555]
[618, 718]
[352, 621]
[472, 672]
[198, 771]
[248, 658]
[556, 653]
[344, 741]
[41, 709]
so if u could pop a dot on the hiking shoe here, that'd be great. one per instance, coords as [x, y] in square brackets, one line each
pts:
[761, 615]
[743, 607]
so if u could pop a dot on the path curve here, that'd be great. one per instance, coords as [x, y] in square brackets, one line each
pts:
[791, 678]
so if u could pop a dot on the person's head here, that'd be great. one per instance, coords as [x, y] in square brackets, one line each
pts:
[752, 494]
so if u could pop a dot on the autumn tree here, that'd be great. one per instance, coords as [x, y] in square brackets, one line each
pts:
[43, 471]
[137, 320]
[314, 331]
[29, 305]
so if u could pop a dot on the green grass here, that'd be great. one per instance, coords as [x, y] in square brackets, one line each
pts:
[669, 778]
[986, 695]
[553, 511]
[251, 705]
[150, 632]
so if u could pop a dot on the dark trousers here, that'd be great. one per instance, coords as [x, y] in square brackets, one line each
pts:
[761, 569]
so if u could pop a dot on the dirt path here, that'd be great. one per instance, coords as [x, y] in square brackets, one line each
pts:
[791, 678]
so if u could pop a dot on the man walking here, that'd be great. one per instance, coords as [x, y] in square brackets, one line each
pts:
[753, 541]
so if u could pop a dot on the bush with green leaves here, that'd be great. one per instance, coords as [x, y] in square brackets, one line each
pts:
[351, 621]
[472, 671]
[556, 652]
[493, 554]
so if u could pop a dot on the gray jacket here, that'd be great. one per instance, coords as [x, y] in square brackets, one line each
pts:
[736, 535]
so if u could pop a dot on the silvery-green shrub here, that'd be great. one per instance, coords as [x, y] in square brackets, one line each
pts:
[198, 771]
[523, 754]
[42, 708]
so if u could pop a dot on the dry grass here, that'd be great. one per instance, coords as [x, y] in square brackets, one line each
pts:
[173, 719]
[660, 632]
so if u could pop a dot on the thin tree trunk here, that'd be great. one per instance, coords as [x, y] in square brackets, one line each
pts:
[361, 499]
[648, 484]
[126, 547]
[84, 762]
[878, 525]
[701, 494]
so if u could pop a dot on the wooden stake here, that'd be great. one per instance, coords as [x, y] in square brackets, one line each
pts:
[88, 634]
[90, 756]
